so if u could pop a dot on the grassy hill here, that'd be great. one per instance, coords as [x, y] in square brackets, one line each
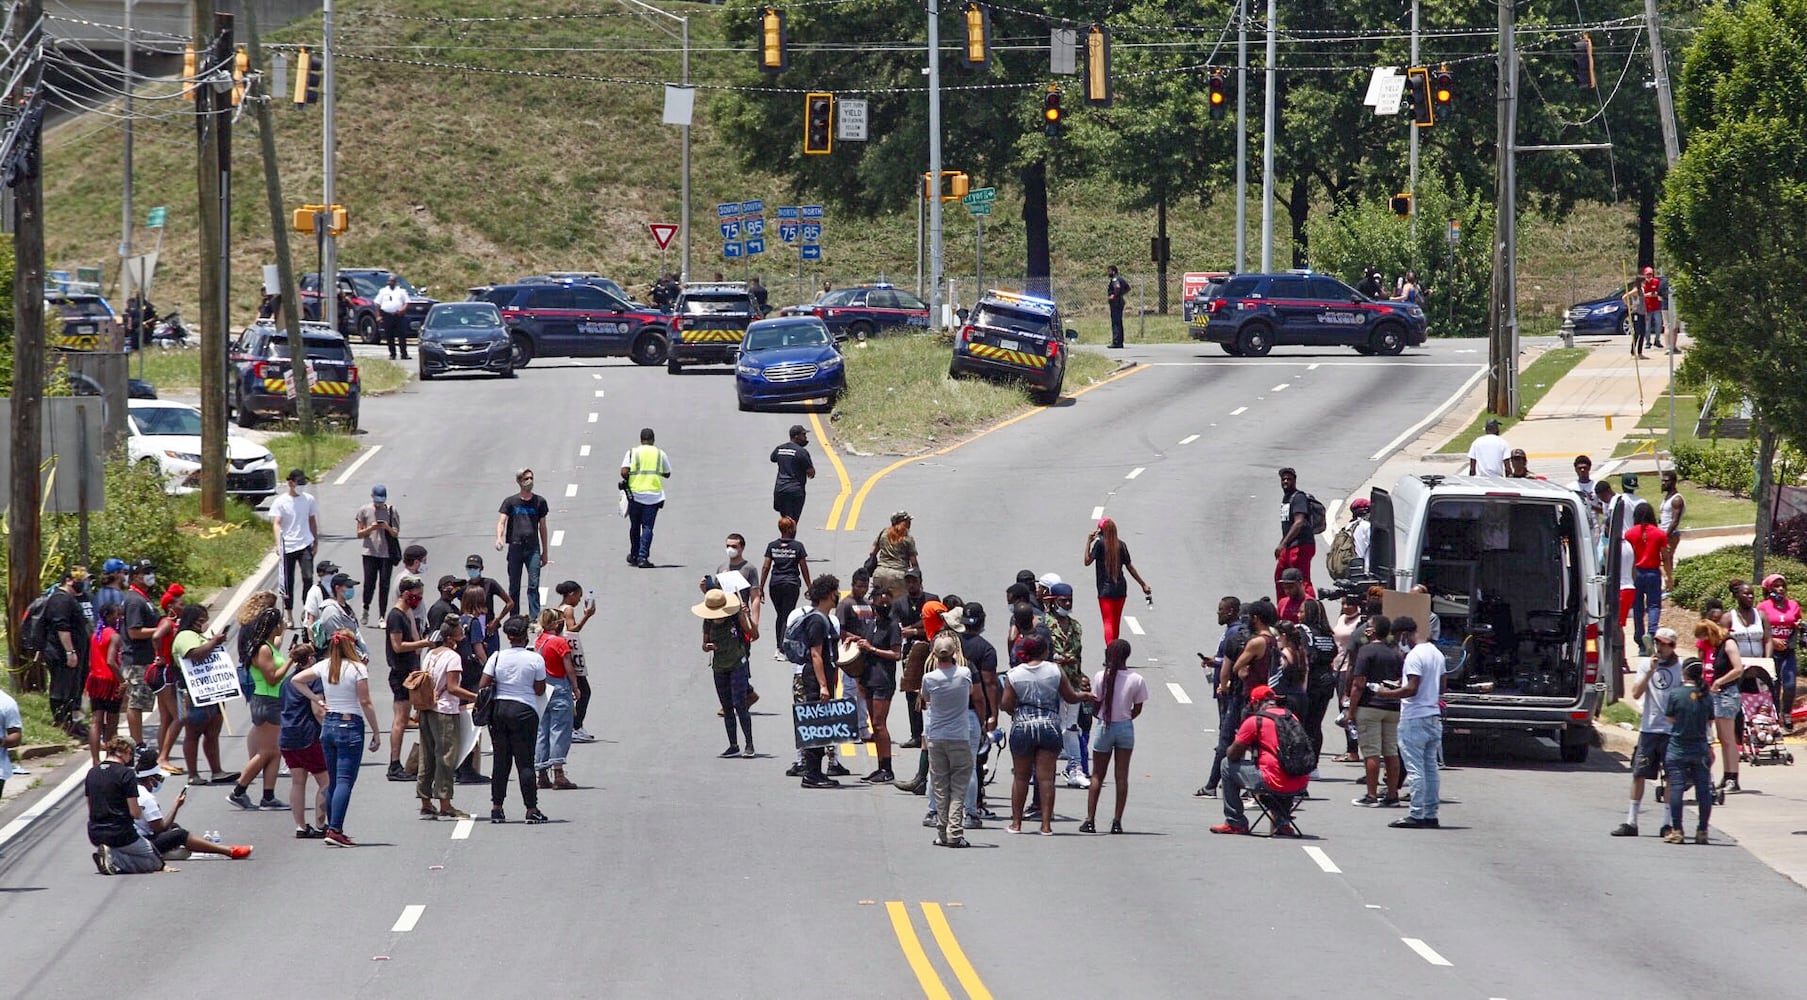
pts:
[458, 177]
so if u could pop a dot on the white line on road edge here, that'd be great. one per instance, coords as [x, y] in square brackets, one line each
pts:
[1097, 513]
[1429, 419]
[593, 417]
[599, 393]
[1317, 854]
[558, 537]
[1239, 411]
[583, 452]
[1133, 473]
[1312, 367]
[43, 805]
[352, 469]
[1135, 627]
[410, 916]
[1179, 693]
[570, 489]
[1280, 388]
[461, 830]
[1425, 951]
[596, 375]
[1189, 439]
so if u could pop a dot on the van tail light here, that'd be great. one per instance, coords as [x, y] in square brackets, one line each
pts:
[1591, 658]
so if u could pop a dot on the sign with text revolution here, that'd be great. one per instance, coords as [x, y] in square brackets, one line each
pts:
[824, 723]
[213, 680]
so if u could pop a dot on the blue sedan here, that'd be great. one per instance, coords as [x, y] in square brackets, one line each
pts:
[788, 360]
[1606, 314]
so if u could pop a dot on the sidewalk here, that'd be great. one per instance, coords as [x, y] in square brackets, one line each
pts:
[1571, 419]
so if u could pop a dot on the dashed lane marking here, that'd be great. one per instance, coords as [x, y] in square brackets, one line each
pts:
[461, 830]
[1426, 952]
[1188, 439]
[1135, 627]
[558, 537]
[1133, 473]
[1317, 854]
[570, 489]
[410, 916]
[583, 452]
[599, 393]
[1312, 367]
[1239, 411]
[1280, 388]
[1179, 693]
[593, 417]
[596, 375]
[1097, 513]
[352, 469]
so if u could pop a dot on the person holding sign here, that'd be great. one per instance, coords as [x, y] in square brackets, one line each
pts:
[193, 651]
[346, 715]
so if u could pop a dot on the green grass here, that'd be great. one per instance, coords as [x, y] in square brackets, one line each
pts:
[315, 454]
[180, 371]
[1714, 509]
[1154, 329]
[1620, 711]
[222, 553]
[1533, 383]
[900, 400]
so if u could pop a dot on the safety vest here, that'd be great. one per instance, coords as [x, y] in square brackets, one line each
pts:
[643, 471]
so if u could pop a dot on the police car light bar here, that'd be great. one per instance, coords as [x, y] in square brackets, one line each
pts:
[1020, 298]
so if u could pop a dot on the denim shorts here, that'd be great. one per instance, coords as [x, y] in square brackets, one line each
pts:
[1727, 704]
[1031, 735]
[1114, 736]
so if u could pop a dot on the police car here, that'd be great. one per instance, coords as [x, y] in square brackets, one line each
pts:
[707, 323]
[1251, 313]
[260, 386]
[1014, 337]
[863, 310]
[576, 320]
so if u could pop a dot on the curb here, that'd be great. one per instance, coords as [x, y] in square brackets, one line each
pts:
[42, 750]
[1614, 739]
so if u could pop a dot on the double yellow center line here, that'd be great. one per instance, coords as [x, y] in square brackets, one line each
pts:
[926, 974]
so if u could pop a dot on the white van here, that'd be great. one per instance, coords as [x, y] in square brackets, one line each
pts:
[1512, 574]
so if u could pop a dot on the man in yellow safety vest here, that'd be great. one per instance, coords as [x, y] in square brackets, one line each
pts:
[643, 473]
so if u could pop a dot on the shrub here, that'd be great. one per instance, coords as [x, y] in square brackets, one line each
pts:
[1789, 538]
[1732, 469]
[140, 522]
[1698, 578]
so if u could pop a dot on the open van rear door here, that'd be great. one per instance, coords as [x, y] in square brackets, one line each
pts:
[1380, 535]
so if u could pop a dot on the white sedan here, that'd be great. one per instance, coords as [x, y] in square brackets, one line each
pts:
[169, 434]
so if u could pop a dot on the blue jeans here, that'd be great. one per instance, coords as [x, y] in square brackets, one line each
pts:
[554, 741]
[343, 742]
[1420, 746]
[640, 518]
[1238, 775]
[1647, 601]
[524, 557]
[1684, 767]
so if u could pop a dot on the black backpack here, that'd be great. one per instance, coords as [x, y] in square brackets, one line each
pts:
[1293, 748]
[1320, 517]
[33, 632]
[795, 647]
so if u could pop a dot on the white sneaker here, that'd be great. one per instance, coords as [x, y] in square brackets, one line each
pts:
[579, 736]
[778, 656]
[1074, 778]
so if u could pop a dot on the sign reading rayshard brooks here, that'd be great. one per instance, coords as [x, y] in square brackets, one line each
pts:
[823, 723]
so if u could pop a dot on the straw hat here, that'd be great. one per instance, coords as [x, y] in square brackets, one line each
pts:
[716, 604]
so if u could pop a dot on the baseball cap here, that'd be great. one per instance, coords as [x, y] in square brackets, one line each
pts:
[143, 566]
[326, 568]
[297, 477]
[1048, 580]
[1667, 635]
[379, 493]
[343, 580]
[447, 580]
[113, 566]
[1291, 574]
[473, 562]
[899, 517]
[1061, 590]
[1360, 503]
[1518, 453]
[144, 761]
[1629, 480]
[797, 429]
[912, 573]
[1261, 693]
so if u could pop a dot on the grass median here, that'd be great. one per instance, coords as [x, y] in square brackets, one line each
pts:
[1533, 383]
[900, 400]
[180, 371]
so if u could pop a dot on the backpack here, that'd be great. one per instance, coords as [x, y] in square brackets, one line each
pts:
[1342, 552]
[423, 693]
[795, 647]
[1320, 518]
[33, 632]
[1292, 747]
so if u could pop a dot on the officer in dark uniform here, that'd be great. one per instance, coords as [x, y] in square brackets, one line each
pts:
[795, 470]
[1115, 291]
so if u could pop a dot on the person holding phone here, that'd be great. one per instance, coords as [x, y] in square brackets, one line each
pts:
[379, 527]
[195, 643]
[347, 715]
[172, 842]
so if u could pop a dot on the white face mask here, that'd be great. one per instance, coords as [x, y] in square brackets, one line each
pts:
[733, 553]
[150, 579]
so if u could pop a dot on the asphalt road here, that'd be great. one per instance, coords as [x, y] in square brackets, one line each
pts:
[673, 873]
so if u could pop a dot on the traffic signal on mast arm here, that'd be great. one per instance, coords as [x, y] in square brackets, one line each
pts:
[1584, 63]
[241, 66]
[977, 50]
[1216, 96]
[1443, 90]
[1098, 90]
[1400, 204]
[307, 78]
[1051, 112]
[818, 124]
[1418, 90]
[774, 53]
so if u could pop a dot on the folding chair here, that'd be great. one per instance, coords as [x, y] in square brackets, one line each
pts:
[1278, 811]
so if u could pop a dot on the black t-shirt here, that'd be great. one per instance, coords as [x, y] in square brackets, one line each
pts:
[109, 788]
[524, 517]
[492, 592]
[1380, 663]
[982, 656]
[1106, 586]
[883, 635]
[400, 625]
[1296, 504]
[436, 614]
[818, 634]
[794, 467]
[63, 613]
[785, 554]
[139, 613]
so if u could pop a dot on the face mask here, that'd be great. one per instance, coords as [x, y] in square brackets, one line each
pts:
[733, 553]
[473, 573]
[351, 592]
[412, 600]
[527, 483]
[1059, 611]
[150, 579]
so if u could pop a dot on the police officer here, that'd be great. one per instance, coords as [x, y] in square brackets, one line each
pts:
[795, 469]
[1116, 290]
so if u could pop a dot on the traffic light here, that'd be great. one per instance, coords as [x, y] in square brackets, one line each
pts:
[1218, 100]
[241, 65]
[1098, 66]
[1051, 112]
[1584, 62]
[955, 185]
[1401, 204]
[977, 50]
[307, 78]
[818, 124]
[1418, 93]
[774, 54]
[1442, 89]
[188, 72]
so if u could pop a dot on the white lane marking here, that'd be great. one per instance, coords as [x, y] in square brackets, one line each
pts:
[1242, 363]
[583, 452]
[1179, 693]
[558, 537]
[599, 394]
[1133, 473]
[1330, 511]
[1280, 388]
[1430, 418]
[1239, 411]
[462, 829]
[1135, 627]
[596, 375]
[43, 805]
[570, 489]
[410, 916]
[352, 469]
[1189, 439]
[1312, 367]
[1317, 854]
[593, 417]
[1097, 513]
[1426, 952]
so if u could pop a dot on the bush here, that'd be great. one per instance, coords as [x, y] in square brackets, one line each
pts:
[1789, 538]
[140, 522]
[1733, 467]
[1699, 578]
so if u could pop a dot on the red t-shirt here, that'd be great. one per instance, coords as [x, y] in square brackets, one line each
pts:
[1647, 543]
[1263, 736]
[1290, 607]
[553, 649]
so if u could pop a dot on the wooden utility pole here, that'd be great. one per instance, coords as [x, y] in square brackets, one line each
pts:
[279, 230]
[1502, 314]
[212, 111]
[25, 498]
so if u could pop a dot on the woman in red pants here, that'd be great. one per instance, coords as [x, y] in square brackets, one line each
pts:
[1104, 550]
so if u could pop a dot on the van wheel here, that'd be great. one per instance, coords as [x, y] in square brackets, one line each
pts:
[1388, 340]
[1232, 350]
[1256, 341]
[1574, 751]
[523, 349]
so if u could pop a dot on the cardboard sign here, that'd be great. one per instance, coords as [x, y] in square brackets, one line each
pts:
[212, 681]
[1394, 603]
[825, 723]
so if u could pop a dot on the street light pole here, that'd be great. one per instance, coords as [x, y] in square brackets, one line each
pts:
[1267, 145]
[125, 212]
[1242, 135]
[329, 244]
[935, 162]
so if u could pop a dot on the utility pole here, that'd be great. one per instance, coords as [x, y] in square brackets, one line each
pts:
[1665, 99]
[329, 244]
[125, 212]
[1502, 314]
[279, 228]
[1267, 144]
[1242, 135]
[25, 497]
[1411, 185]
[935, 280]
[208, 180]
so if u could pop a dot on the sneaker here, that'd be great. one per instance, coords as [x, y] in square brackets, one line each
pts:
[1413, 823]
[454, 813]
[100, 862]
[882, 776]
[1626, 830]
[748, 753]
[1285, 830]
[958, 842]
[984, 813]
[973, 823]
[336, 839]
[272, 803]
[241, 800]
[730, 752]
[913, 743]
[580, 736]
[1367, 801]
[794, 771]
[1664, 832]
[364, 617]
[1393, 803]
[1230, 828]
[1074, 778]
[469, 778]
[1673, 837]
[820, 783]
[931, 820]
[395, 772]
[535, 817]
[1700, 836]
[778, 656]
[836, 770]
[240, 852]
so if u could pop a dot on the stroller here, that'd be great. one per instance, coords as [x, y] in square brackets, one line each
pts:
[1762, 740]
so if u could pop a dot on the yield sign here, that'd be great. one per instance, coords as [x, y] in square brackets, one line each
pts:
[662, 233]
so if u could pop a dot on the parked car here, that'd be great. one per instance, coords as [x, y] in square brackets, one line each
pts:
[1014, 337]
[788, 360]
[708, 322]
[573, 319]
[259, 384]
[464, 336]
[863, 310]
[169, 435]
[1252, 313]
[359, 313]
[135, 388]
[609, 285]
[87, 321]
[1604, 315]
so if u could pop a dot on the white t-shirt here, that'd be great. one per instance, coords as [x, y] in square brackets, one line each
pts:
[1425, 661]
[293, 513]
[391, 299]
[1131, 691]
[515, 669]
[1664, 678]
[1363, 535]
[443, 664]
[1489, 452]
[148, 812]
[312, 602]
[10, 718]
[1627, 566]
[343, 696]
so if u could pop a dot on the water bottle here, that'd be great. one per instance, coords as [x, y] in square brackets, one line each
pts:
[212, 837]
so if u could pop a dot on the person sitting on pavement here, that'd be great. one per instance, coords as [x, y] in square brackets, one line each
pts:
[171, 841]
[1661, 675]
[112, 793]
[1263, 775]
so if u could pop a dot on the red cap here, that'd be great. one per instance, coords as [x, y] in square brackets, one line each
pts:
[173, 594]
[1649, 270]
[1261, 693]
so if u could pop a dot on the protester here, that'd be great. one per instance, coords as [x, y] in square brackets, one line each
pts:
[521, 528]
[893, 552]
[1660, 675]
[12, 734]
[348, 715]
[441, 669]
[1689, 710]
[299, 740]
[1647, 544]
[1259, 733]
[727, 624]
[1728, 667]
[139, 650]
[1122, 693]
[814, 681]
[163, 677]
[295, 520]
[785, 572]
[519, 676]
[201, 723]
[552, 743]
[1488, 453]
[1784, 615]
[1297, 543]
[66, 648]
[949, 696]
[577, 612]
[260, 654]
[1319, 642]
[1230, 648]
[795, 470]
[103, 683]
[1378, 662]
[1033, 693]
[170, 841]
[1420, 722]
[1106, 551]
[112, 793]
[402, 647]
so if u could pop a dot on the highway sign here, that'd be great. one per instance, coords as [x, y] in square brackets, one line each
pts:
[731, 230]
[755, 245]
[812, 251]
[787, 231]
[754, 226]
[156, 219]
[731, 248]
[812, 232]
[787, 211]
[980, 196]
[812, 211]
[662, 233]
[754, 207]
[727, 210]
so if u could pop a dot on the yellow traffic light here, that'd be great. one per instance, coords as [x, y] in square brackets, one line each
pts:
[303, 219]
[957, 186]
[977, 50]
[188, 72]
[1401, 204]
[241, 66]
[1098, 90]
[337, 221]
[774, 54]
[818, 124]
